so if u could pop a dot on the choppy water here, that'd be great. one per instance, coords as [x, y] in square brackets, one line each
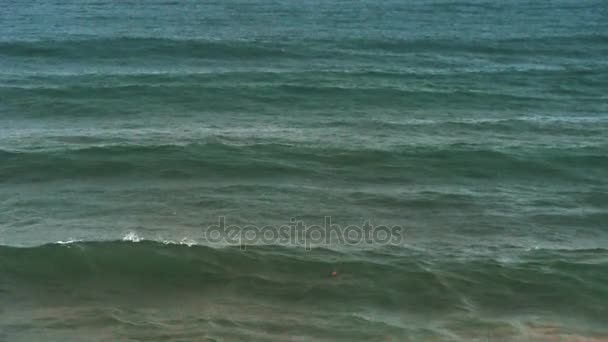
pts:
[128, 128]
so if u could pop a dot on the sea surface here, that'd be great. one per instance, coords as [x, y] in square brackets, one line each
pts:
[475, 131]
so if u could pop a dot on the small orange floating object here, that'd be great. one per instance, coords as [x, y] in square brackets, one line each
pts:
[334, 273]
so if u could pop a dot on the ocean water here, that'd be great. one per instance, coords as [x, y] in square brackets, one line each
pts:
[476, 130]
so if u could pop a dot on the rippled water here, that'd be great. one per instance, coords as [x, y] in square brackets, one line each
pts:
[127, 129]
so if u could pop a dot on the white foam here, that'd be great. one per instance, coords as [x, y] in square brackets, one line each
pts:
[132, 236]
[68, 241]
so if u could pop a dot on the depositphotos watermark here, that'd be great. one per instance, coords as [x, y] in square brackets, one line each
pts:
[299, 234]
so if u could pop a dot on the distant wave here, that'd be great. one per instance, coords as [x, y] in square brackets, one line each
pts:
[219, 159]
[86, 100]
[530, 46]
[101, 48]
[144, 47]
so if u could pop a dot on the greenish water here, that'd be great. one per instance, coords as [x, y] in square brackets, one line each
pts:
[127, 129]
